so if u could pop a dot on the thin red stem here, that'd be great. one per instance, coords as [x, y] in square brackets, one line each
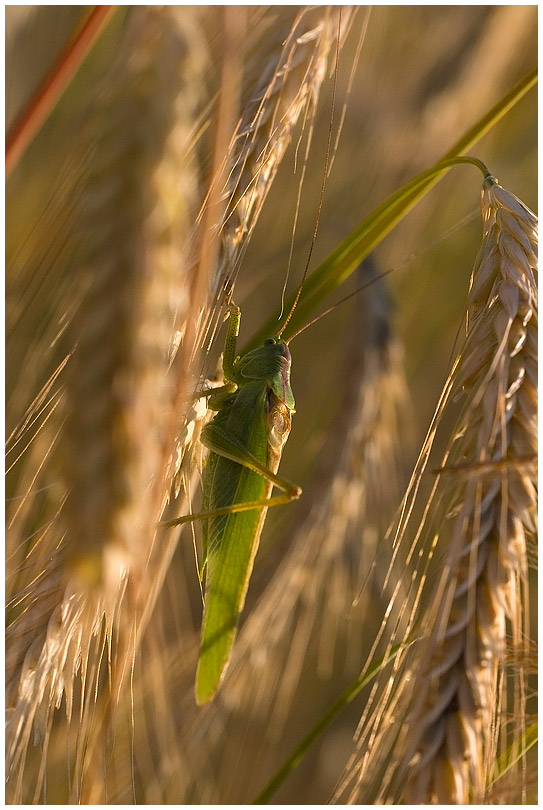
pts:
[55, 82]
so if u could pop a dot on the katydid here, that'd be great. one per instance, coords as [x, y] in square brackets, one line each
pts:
[245, 440]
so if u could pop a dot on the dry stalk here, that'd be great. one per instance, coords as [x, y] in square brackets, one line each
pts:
[453, 687]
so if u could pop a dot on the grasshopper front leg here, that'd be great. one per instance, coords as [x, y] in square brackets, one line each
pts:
[229, 447]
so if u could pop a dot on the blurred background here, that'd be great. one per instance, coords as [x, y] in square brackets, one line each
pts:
[101, 216]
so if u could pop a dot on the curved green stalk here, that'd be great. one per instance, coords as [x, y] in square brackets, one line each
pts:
[344, 260]
[337, 706]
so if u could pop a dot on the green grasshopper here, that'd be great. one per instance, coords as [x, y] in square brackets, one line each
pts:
[245, 440]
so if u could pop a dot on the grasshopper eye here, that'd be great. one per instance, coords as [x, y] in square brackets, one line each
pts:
[269, 342]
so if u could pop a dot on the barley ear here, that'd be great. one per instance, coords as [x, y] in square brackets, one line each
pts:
[456, 721]
[127, 273]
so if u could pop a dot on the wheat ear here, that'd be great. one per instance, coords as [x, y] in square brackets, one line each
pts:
[453, 731]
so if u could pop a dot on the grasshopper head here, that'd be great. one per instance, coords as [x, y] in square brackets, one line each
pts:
[270, 362]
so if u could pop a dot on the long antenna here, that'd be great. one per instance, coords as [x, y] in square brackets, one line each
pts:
[323, 185]
[414, 255]
[342, 301]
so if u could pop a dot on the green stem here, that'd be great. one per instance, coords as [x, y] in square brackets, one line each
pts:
[343, 700]
[344, 260]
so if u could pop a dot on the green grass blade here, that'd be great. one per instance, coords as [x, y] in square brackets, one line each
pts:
[516, 751]
[344, 260]
[343, 700]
